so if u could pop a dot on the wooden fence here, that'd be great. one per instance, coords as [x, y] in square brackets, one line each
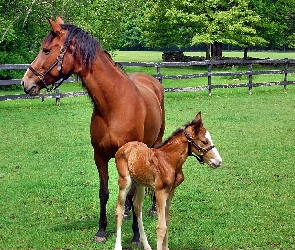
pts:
[286, 63]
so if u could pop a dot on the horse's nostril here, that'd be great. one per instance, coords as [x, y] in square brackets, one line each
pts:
[22, 83]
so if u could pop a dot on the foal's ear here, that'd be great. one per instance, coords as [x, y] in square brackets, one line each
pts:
[198, 120]
[59, 20]
[198, 117]
[56, 28]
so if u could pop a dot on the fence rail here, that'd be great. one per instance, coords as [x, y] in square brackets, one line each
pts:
[286, 63]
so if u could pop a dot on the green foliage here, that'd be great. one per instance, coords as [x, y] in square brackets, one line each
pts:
[277, 21]
[119, 24]
[23, 24]
[187, 23]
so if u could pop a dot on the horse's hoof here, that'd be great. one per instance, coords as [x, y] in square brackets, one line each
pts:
[153, 213]
[100, 237]
[137, 244]
[126, 216]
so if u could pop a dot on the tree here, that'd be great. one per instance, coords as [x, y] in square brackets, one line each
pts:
[117, 21]
[23, 24]
[277, 21]
[214, 22]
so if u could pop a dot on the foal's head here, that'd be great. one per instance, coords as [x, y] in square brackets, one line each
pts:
[200, 143]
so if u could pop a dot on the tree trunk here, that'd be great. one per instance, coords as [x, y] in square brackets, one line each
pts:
[207, 51]
[246, 52]
[216, 50]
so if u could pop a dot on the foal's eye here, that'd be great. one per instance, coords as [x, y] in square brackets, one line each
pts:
[205, 142]
[46, 51]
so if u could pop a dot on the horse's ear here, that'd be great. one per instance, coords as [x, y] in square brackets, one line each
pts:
[56, 28]
[59, 20]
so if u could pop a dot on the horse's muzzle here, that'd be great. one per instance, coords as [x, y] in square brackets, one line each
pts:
[33, 91]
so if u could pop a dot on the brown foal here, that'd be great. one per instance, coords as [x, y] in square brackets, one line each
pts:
[161, 170]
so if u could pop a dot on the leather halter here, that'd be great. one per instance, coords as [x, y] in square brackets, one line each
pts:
[59, 62]
[202, 151]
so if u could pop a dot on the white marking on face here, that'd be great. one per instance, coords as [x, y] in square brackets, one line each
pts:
[217, 159]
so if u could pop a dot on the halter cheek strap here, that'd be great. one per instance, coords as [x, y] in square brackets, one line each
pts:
[58, 62]
[202, 151]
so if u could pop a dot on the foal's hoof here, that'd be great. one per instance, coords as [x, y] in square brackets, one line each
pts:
[100, 237]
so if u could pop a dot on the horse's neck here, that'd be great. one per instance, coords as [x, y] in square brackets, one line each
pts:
[176, 150]
[105, 82]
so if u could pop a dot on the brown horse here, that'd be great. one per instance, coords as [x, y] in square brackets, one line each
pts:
[126, 107]
[160, 169]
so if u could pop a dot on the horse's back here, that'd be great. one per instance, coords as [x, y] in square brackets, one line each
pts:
[152, 97]
[149, 83]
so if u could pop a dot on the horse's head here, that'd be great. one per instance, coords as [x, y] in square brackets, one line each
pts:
[48, 66]
[201, 144]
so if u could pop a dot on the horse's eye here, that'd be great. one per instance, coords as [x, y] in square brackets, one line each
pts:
[46, 51]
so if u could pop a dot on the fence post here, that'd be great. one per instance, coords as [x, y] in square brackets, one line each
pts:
[286, 73]
[159, 76]
[209, 78]
[250, 78]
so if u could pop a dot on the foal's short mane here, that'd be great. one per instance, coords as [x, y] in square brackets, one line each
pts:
[85, 47]
[176, 132]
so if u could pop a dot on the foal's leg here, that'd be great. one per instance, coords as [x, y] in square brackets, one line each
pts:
[167, 211]
[102, 166]
[137, 202]
[124, 187]
[161, 197]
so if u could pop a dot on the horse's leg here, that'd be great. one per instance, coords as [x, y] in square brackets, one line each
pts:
[124, 186]
[128, 202]
[153, 210]
[167, 211]
[137, 202]
[161, 197]
[102, 166]
[136, 235]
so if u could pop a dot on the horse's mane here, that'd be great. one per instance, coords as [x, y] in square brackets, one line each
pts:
[85, 45]
[176, 132]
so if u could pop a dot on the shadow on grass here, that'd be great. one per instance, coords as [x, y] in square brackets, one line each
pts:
[86, 223]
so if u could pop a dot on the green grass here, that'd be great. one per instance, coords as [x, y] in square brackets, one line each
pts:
[49, 183]
[156, 56]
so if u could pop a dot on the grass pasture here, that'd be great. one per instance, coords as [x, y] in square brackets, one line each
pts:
[49, 183]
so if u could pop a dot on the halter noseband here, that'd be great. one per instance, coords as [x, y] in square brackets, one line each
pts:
[59, 62]
[202, 151]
